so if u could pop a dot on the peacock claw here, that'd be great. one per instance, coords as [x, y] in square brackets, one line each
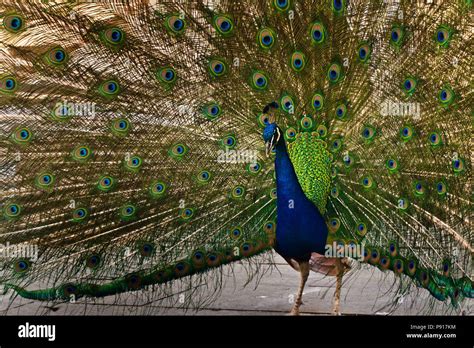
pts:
[295, 311]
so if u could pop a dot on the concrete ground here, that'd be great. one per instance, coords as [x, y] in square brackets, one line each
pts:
[365, 292]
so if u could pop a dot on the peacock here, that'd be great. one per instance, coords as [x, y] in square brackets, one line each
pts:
[149, 145]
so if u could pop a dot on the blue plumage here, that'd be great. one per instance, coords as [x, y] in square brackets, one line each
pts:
[301, 230]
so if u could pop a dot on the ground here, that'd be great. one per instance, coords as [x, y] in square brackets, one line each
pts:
[367, 293]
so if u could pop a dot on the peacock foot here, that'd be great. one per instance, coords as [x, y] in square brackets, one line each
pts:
[296, 308]
[295, 311]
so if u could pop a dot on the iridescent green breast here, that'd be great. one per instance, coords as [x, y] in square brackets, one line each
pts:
[312, 162]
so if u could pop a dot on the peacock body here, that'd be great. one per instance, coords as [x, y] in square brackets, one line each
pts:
[133, 157]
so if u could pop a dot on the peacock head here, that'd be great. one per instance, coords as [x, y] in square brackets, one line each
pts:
[271, 133]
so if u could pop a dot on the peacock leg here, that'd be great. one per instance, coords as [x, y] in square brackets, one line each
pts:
[304, 272]
[337, 294]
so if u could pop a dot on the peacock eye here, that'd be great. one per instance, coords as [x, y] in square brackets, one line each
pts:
[167, 76]
[116, 35]
[22, 265]
[364, 52]
[334, 72]
[281, 5]
[109, 88]
[10, 84]
[175, 24]
[407, 84]
[259, 80]
[266, 38]
[337, 5]
[317, 35]
[24, 134]
[217, 67]
[317, 101]
[298, 61]
[397, 36]
[443, 35]
[224, 24]
[341, 111]
[113, 37]
[13, 209]
[178, 24]
[13, 23]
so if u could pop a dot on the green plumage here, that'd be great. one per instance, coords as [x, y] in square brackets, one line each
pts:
[134, 123]
[311, 161]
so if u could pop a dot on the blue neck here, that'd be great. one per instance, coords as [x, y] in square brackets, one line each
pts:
[288, 187]
[301, 229]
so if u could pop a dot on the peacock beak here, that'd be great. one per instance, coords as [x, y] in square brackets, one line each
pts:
[270, 145]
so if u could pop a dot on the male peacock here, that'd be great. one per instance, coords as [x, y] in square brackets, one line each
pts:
[132, 151]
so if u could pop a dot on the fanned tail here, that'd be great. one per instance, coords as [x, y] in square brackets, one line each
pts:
[133, 155]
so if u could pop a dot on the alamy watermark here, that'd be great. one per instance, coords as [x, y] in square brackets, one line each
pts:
[14, 251]
[237, 156]
[65, 108]
[398, 108]
[354, 251]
